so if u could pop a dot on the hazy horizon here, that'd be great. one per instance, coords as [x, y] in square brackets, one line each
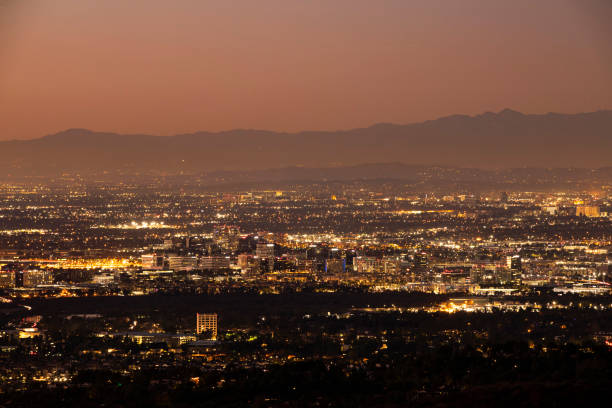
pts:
[493, 140]
[158, 68]
[299, 131]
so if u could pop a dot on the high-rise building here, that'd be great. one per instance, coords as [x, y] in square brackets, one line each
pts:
[420, 261]
[214, 263]
[335, 266]
[227, 236]
[19, 279]
[152, 261]
[7, 279]
[207, 323]
[182, 263]
[265, 252]
[367, 264]
[350, 256]
[33, 278]
[243, 261]
[587, 211]
[513, 262]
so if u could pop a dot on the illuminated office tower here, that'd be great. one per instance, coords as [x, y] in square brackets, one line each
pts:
[214, 263]
[265, 252]
[227, 236]
[513, 262]
[420, 261]
[33, 278]
[152, 261]
[514, 266]
[207, 322]
[587, 211]
[182, 263]
[367, 264]
[7, 279]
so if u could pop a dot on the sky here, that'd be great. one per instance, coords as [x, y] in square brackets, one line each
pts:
[169, 67]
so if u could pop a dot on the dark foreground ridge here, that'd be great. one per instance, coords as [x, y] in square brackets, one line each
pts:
[400, 359]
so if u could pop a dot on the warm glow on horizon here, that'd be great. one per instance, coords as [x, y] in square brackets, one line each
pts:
[166, 68]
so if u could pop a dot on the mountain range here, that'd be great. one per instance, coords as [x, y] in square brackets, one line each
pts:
[491, 140]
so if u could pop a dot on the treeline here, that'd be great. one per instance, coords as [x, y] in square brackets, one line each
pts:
[509, 374]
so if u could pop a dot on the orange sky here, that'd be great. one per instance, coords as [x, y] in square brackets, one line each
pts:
[167, 67]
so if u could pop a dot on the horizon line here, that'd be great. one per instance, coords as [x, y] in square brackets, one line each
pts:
[458, 115]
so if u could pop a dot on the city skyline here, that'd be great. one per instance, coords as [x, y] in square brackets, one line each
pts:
[290, 203]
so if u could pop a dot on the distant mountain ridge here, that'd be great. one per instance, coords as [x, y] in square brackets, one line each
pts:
[489, 140]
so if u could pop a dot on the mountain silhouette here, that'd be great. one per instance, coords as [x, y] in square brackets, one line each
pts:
[489, 140]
